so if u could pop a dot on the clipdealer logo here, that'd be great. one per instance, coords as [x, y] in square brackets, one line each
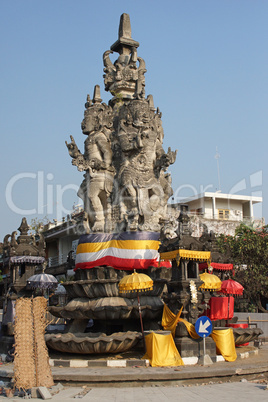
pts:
[49, 196]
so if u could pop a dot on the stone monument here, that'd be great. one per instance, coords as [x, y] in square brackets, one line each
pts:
[125, 190]
[125, 186]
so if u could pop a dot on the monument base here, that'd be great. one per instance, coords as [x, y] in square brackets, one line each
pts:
[189, 347]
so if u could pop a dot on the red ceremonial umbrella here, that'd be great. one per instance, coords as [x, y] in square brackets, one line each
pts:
[231, 287]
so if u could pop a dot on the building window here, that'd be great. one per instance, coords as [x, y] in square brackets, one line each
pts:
[223, 213]
[198, 211]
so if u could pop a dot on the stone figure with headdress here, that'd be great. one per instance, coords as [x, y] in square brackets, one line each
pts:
[97, 185]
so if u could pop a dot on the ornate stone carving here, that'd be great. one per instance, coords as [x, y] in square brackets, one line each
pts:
[93, 343]
[97, 185]
[126, 186]
[143, 186]
[120, 77]
[22, 254]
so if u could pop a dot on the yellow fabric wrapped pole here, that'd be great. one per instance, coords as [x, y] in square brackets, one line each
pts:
[224, 339]
[170, 321]
[225, 344]
[161, 350]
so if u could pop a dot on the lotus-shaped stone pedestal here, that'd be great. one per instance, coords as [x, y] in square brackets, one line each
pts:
[93, 343]
[110, 308]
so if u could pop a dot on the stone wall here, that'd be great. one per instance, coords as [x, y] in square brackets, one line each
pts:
[216, 225]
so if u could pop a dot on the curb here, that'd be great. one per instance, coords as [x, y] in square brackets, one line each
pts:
[76, 363]
[188, 361]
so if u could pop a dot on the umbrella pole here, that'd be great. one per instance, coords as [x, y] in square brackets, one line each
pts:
[139, 307]
[228, 310]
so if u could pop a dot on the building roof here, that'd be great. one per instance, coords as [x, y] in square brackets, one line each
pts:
[218, 194]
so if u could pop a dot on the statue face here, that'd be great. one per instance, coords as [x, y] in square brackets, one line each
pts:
[90, 122]
[154, 202]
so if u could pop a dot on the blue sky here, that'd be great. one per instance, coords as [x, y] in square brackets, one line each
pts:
[207, 68]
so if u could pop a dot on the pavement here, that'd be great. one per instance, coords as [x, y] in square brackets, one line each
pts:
[244, 379]
[231, 392]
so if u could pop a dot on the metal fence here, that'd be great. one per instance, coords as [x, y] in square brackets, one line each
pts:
[57, 260]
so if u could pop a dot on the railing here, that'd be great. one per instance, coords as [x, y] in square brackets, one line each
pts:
[250, 321]
[57, 260]
[247, 220]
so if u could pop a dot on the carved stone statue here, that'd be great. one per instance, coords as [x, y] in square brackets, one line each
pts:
[97, 185]
[143, 185]
[125, 186]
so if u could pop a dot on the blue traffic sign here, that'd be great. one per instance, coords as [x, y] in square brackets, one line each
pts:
[203, 326]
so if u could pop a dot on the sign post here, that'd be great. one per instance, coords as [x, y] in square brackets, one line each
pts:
[203, 328]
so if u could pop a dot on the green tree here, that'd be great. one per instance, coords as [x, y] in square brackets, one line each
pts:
[37, 224]
[248, 249]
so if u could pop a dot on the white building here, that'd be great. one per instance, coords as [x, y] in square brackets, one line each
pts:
[220, 212]
[61, 242]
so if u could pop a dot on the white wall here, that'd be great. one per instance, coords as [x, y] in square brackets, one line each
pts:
[65, 244]
[196, 204]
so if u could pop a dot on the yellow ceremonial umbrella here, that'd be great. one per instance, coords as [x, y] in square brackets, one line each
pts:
[211, 282]
[136, 282]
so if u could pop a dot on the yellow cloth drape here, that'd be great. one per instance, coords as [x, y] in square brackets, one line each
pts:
[186, 254]
[161, 350]
[194, 255]
[169, 255]
[170, 321]
[225, 344]
[224, 339]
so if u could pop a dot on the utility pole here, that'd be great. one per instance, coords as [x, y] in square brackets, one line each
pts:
[217, 157]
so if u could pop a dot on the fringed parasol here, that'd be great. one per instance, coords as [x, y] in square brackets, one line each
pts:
[211, 282]
[231, 287]
[136, 282]
[42, 281]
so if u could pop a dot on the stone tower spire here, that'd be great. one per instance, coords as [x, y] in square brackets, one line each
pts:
[121, 77]
[125, 43]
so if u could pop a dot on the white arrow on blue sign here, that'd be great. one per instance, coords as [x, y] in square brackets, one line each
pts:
[203, 326]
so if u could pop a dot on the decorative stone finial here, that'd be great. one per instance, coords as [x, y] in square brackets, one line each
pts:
[121, 77]
[24, 227]
[150, 100]
[124, 43]
[88, 102]
[124, 27]
[96, 96]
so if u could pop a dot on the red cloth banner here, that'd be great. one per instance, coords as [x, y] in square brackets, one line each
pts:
[216, 265]
[221, 308]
